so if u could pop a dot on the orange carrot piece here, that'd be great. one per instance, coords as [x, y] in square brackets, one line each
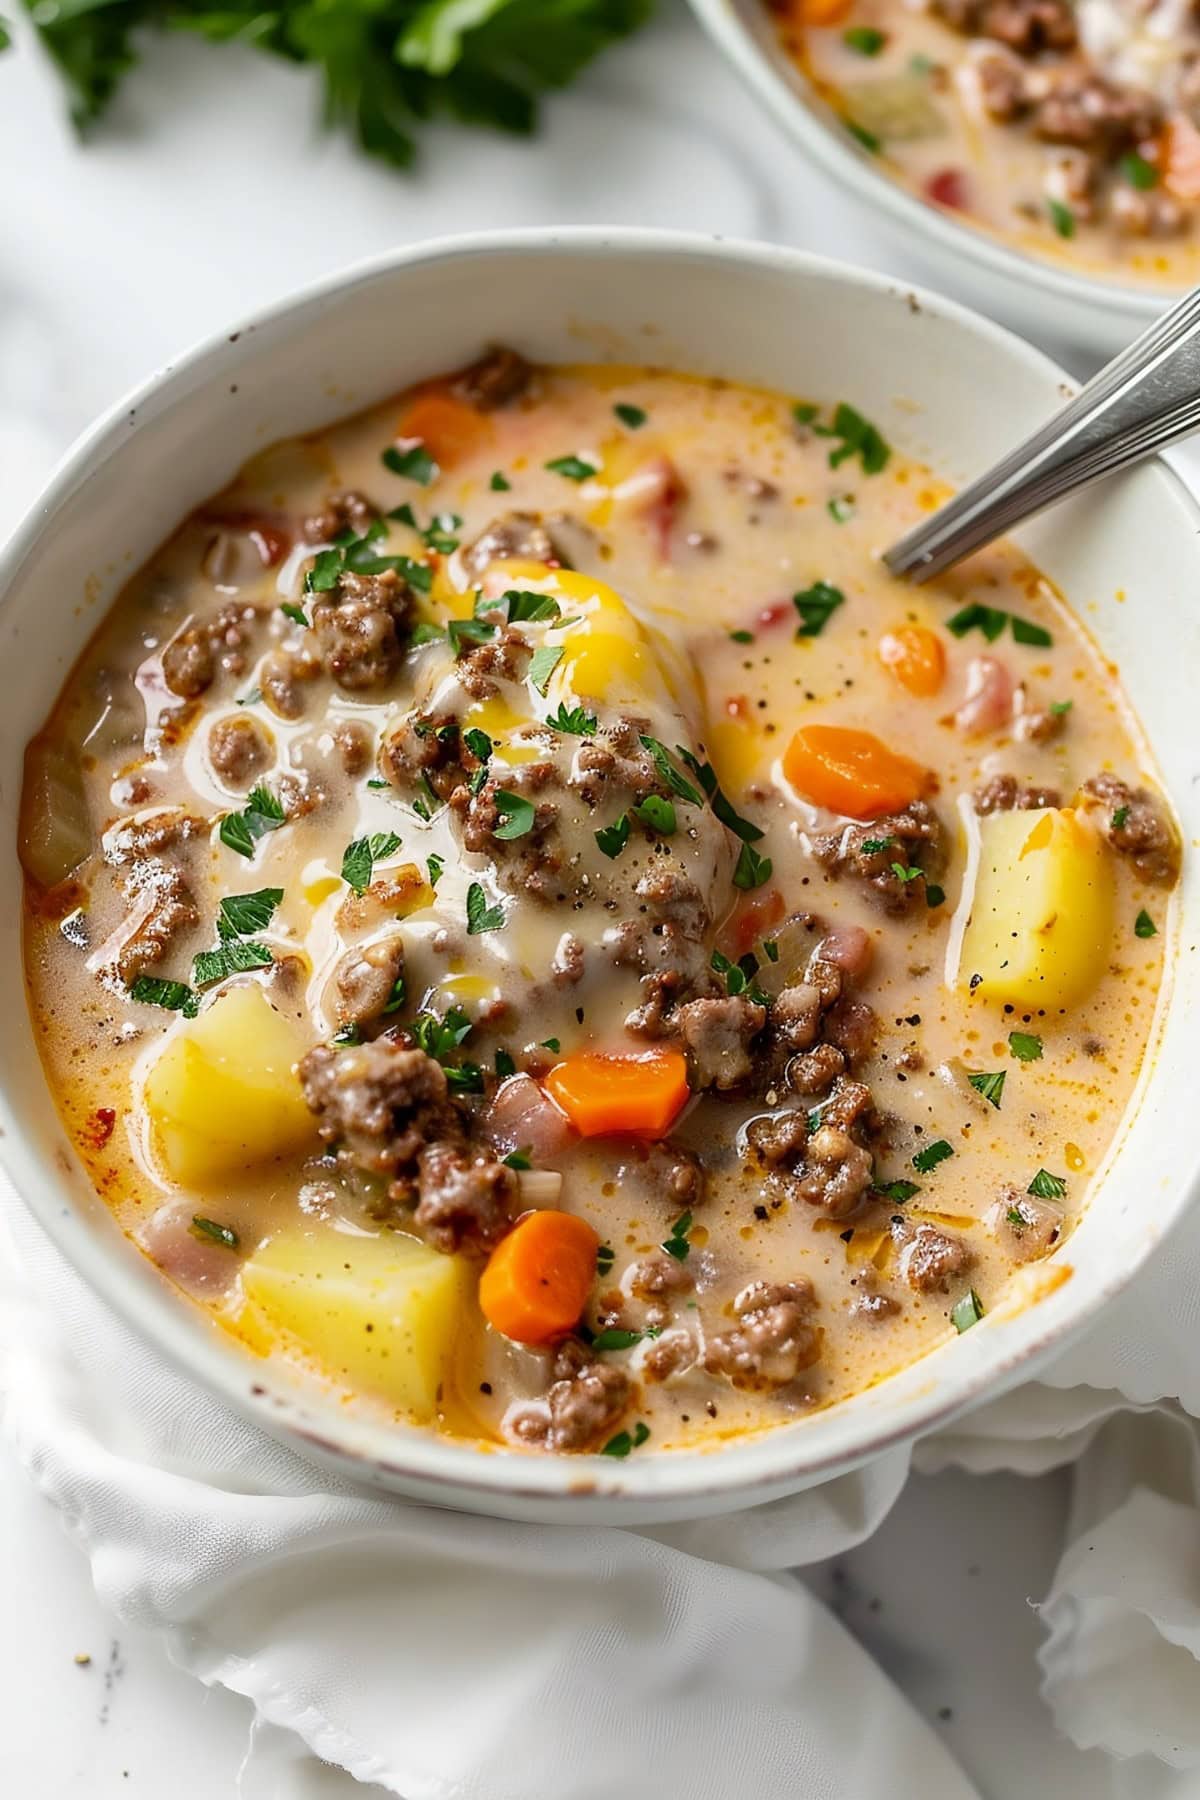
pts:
[851, 772]
[449, 429]
[821, 12]
[753, 920]
[914, 655]
[1179, 157]
[639, 1095]
[538, 1278]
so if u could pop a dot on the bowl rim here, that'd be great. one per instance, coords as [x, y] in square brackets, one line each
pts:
[421, 1462]
[727, 25]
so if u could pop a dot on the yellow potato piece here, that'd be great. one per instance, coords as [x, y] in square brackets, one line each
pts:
[380, 1314]
[224, 1092]
[1041, 921]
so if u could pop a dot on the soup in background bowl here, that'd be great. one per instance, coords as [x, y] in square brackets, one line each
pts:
[551, 952]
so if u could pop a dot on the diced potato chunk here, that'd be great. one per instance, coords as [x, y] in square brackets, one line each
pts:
[1041, 920]
[380, 1314]
[224, 1092]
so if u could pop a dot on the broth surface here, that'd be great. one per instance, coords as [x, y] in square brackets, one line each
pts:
[413, 737]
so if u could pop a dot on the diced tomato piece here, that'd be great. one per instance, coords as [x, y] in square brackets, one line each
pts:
[948, 187]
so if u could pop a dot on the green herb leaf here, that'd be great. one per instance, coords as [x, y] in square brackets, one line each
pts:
[841, 508]
[633, 416]
[678, 784]
[1026, 1046]
[770, 950]
[966, 1312]
[172, 996]
[752, 869]
[928, 1159]
[240, 915]
[1062, 218]
[1138, 172]
[516, 815]
[261, 813]
[573, 468]
[360, 857]
[435, 864]
[224, 1235]
[480, 916]
[542, 665]
[606, 1256]
[742, 637]
[677, 1243]
[858, 436]
[517, 1159]
[1119, 818]
[907, 871]
[524, 605]
[1047, 1186]
[934, 895]
[613, 838]
[1144, 926]
[425, 633]
[876, 846]
[657, 813]
[578, 722]
[865, 39]
[296, 614]
[815, 605]
[804, 412]
[866, 138]
[615, 1338]
[234, 957]
[898, 1191]
[415, 463]
[499, 484]
[551, 1044]
[991, 620]
[346, 1036]
[991, 1086]
[478, 743]
[623, 1443]
[1060, 708]
[1026, 632]
[325, 572]
[469, 631]
[438, 1037]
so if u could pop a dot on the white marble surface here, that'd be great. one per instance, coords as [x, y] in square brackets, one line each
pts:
[209, 193]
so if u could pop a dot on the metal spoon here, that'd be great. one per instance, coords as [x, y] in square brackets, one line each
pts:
[1145, 398]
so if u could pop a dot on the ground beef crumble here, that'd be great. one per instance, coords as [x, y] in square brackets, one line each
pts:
[585, 1400]
[1138, 827]
[773, 1340]
[882, 855]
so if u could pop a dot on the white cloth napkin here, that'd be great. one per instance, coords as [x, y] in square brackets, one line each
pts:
[441, 1656]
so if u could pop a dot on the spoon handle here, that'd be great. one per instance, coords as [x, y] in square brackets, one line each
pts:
[1145, 398]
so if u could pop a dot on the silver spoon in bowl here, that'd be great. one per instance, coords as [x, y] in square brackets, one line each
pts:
[1147, 397]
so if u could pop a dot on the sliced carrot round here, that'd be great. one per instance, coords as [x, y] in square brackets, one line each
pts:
[603, 1095]
[821, 12]
[449, 429]
[1179, 157]
[851, 772]
[914, 655]
[538, 1278]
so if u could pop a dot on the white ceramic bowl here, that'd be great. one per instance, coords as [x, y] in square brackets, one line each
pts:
[1044, 298]
[944, 386]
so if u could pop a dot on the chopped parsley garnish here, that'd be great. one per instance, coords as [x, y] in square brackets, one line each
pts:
[415, 463]
[616, 1337]
[858, 436]
[657, 813]
[907, 872]
[623, 1443]
[966, 1312]
[573, 468]
[1144, 926]
[480, 916]
[841, 508]
[478, 743]
[439, 533]
[815, 605]
[499, 483]
[865, 39]
[224, 1235]
[325, 572]
[742, 637]
[426, 633]
[516, 815]
[1138, 172]
[521, 604]
[348, 1035]
[435, 864]
[770, 950]
[517, 1159]
[552, 1044]
[1047, 1186]
[1062, 218]
[404, 515]
[1060, 708]
[875, 846]
[542, 665]
[360, 857]
[752, 869]
[234, 957]
[633, 416]
[1016, 1218]
[606, 1256]
[395, 999]
[678, 784]
[898, 1191]
[991, 620]
[613, 838]
[295, 613]
[804, 412]
[739, 976]
[928, 1159]
[934, 895]
[991, 1086]
[439, 1038]
[576, 721]
[261, 813]
[469, 631]
[1026, 1046]
[377, 781]
[866, 138]
[240, 915]
[172, 996]
[505, 1066]
[677, 1243]
[1117, 822]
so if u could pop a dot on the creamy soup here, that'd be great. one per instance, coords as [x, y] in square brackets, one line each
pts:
[1069, 126]
[529, 923]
